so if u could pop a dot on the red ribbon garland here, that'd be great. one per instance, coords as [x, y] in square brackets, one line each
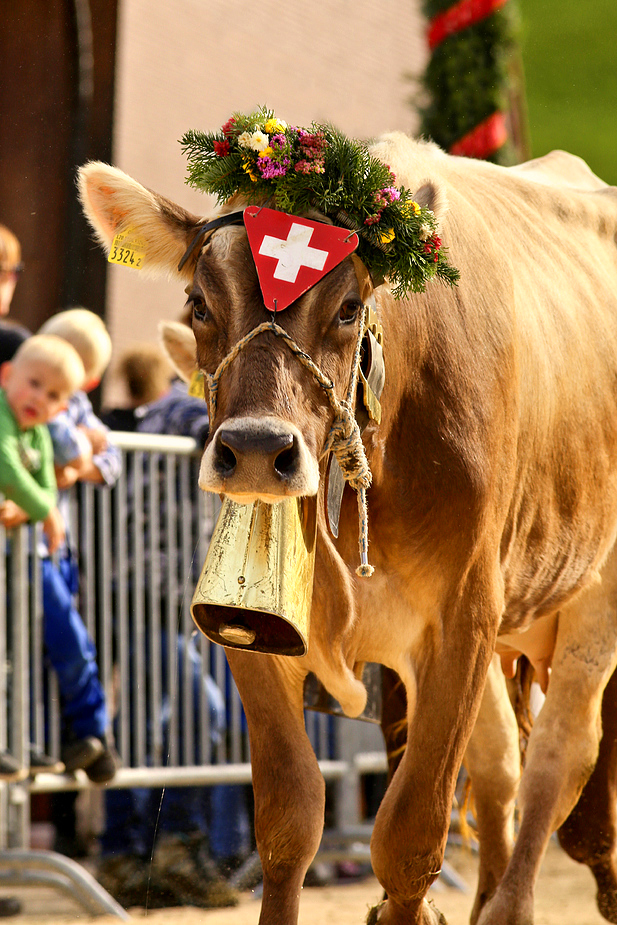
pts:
[484, 139]
[458, 17]
[490, 135]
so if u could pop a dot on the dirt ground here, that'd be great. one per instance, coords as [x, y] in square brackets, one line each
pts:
[565, 896]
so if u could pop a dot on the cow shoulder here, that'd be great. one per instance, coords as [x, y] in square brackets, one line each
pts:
[559, 168]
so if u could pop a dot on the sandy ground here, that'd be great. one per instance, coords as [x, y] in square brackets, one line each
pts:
[565, 896]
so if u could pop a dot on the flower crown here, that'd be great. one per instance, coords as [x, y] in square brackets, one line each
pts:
[262, 158]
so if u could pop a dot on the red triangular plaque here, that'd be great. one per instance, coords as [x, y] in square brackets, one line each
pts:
[291, 254]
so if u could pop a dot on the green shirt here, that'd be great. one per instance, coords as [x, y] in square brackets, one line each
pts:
[27, 474]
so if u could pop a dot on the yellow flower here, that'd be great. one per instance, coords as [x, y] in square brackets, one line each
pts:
[387, 236]
[246, 166]
[267, 152]
[410, 208]
[273, 126]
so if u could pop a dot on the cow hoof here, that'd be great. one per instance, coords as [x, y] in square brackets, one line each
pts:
[607, 904]
[606, 882]
[430, 914]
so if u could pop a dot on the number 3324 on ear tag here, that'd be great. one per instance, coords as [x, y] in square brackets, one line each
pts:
[127, 249]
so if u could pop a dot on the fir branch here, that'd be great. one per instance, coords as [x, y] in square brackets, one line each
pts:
[321, 169]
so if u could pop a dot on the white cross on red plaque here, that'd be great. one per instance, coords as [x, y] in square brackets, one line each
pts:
[291, 254]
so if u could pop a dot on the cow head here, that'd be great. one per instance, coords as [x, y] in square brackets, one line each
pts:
[272, 412]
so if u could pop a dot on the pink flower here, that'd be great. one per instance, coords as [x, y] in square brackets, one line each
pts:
[391, 193]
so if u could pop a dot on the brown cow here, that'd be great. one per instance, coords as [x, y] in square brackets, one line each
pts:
[493, 508]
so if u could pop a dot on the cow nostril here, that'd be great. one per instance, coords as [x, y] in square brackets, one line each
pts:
[225, 457]
[227, 460]
[286, 462]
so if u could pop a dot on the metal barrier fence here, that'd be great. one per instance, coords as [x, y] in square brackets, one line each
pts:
[140, 546]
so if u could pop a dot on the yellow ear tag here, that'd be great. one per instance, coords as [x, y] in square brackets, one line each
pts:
[196, 385]
[127, 249]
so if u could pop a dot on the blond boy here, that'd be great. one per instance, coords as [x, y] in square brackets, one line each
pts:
[82, 452]
[81, 448]
[34, 387]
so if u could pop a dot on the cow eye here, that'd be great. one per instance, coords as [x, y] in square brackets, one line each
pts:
[198, 307]
[349, 311]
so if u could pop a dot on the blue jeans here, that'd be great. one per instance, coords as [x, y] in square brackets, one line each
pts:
[71, 652]
[135, 816]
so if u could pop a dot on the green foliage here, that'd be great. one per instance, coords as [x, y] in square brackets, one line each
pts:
[299, 170]
[571, 79]
[466, 79]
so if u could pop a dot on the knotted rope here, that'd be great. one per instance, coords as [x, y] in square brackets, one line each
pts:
[344, 439]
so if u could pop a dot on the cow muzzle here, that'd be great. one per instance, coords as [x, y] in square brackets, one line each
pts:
[263, 458]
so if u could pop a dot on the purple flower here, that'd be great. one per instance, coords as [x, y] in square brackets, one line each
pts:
[270, 169]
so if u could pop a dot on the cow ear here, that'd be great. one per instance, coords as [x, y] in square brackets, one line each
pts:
[432, 196]
[178, 343]
[113, 203]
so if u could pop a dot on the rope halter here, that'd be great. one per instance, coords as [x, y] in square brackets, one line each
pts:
[343, 440]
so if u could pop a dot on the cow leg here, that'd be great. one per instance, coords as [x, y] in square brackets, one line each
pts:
[589, 834]
[288, 785]
[493, 762]
[562, 751]
[411, 827]
[393, 718]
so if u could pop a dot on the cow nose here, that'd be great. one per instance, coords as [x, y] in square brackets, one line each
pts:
[277, 449]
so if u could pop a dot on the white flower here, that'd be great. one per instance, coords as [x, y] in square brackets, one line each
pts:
[244, 140]
[259, 141]
[425, 232]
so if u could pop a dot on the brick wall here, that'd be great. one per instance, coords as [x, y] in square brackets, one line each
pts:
[190, 63]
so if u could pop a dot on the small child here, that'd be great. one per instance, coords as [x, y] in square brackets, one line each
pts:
[34, 387]
[82, 452]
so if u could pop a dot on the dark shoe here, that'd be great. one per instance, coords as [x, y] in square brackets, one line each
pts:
[103, 768]
[71, 846]
[9, 906]
[10, 769]
[81, 753]
[41, 763]
[175, 868]
[125, 877]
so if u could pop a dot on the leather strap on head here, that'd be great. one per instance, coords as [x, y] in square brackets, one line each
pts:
[365, 282]
[233, 218]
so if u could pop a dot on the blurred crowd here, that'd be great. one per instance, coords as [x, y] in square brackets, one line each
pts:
[161, 850]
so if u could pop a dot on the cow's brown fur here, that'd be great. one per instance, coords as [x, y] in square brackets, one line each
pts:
[493, 508]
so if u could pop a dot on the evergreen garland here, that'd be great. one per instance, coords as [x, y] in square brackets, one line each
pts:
[467, 78]
[264, 159]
